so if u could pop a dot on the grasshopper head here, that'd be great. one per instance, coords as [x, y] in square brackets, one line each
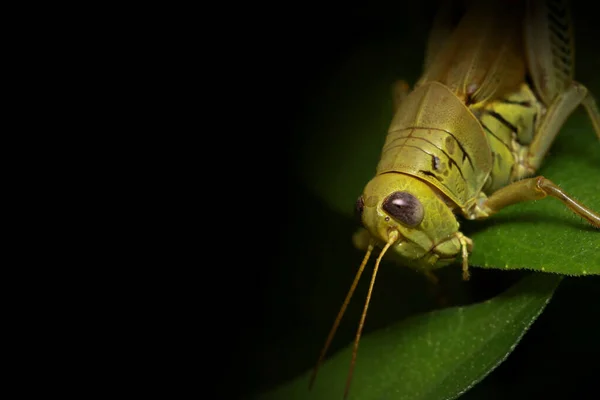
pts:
[426, 225]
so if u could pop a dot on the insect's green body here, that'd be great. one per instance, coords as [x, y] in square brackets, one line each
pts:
[495, 91]
[460, 152]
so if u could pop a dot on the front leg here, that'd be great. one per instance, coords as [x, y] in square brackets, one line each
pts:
[531, 189]
[361, 240]
[466, 246]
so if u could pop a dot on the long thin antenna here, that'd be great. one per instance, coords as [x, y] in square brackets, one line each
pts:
[341, 313]
[392, 238]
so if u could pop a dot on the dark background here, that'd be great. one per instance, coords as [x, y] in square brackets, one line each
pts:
[285, 298]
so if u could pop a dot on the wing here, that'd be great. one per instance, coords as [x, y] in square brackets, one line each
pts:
[483, 57]
[444, 22]
[549, 47]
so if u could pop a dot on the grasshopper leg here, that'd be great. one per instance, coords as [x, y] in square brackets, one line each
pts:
[466, 246]
[534, 189]
[592, 109]
[560, 109]
[361, 240]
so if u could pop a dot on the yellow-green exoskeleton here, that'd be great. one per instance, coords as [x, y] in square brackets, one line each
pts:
[468, 138]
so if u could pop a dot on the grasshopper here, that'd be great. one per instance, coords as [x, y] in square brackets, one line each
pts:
[467, 140]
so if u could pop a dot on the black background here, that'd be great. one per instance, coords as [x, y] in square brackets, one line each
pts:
[288, 58]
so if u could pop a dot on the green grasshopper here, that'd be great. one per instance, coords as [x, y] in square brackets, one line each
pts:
[468, 138]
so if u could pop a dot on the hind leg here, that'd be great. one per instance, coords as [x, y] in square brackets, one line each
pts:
[530, 158]
[592, 109]
[534, 189]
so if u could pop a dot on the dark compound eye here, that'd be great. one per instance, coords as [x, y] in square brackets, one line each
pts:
[358, 208]
[404, 207]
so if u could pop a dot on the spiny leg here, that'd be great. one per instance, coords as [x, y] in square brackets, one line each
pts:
[558, 112]
[535, 189]
[592, 109]
[550, 54]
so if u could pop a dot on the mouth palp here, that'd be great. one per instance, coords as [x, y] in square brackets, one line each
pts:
[394, 237]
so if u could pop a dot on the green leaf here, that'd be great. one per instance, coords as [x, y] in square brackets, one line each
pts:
[347, 131]
[545, 235]
[438, 355]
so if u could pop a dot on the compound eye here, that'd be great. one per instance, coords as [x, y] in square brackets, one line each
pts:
[358, 208]
[404, 207]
